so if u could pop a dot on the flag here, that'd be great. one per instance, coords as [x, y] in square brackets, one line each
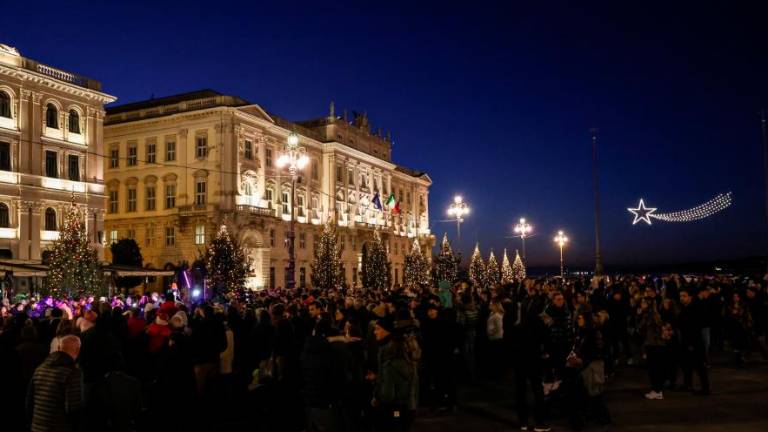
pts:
[391, 203]
[396, 208]
[376, 201]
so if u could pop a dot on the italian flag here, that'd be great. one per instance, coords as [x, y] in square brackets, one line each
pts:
[392, 204]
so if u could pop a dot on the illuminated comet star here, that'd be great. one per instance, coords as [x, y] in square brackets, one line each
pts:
[701, 211]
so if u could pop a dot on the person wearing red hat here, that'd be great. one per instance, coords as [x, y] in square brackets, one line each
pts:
[158, 333]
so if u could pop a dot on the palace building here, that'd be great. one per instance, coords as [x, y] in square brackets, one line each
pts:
[50, 146]
[178, 167]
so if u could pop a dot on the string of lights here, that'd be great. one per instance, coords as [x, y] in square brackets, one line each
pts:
[702, 211]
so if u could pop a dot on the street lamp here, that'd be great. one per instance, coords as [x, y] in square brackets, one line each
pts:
[458, 209]
[522, 229]
[295, 159]
[561, 240]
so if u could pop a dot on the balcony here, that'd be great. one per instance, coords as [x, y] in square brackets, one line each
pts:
[259, 211]
[192, 210]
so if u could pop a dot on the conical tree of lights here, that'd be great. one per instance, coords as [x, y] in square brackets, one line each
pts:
[225, 265]
[518, 268]
[477, 268]
[375, 265]
[73, 267]
[446, 263]
[507, 276]
[327, 272]
[416, 271]
[492, 272]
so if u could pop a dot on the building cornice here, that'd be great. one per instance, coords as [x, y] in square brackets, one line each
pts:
[38, 78]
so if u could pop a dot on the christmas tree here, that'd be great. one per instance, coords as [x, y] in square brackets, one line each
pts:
[446, 263]
[225, 265]
[492, 272]
[518, 268]
[477, 268]
[73, 267]
[375, 264]
[416, 272]
[507, 276]
[326, 267]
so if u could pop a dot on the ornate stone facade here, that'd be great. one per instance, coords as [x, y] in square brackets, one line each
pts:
[51, 139]
[179, 167]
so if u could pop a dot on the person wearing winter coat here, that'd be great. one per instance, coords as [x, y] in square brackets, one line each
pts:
[495, 333]
[559, 340]
[54, 393]
[158, 333]
[650, 329]
[323, 380]
[584, 374]
[440, 339]
[691, 342]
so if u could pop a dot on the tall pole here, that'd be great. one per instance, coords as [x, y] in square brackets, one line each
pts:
[562, 267]
[764, 127]
[522, 237]
[290, 280]
[596, 188]
[458, 231]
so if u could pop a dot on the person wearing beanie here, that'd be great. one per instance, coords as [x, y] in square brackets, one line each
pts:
[158, 333]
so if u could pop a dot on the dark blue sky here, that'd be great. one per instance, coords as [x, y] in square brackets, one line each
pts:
[494, 100]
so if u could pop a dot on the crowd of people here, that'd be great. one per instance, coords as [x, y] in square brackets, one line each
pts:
[360, 360]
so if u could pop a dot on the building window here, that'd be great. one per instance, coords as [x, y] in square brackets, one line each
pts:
[315, 170]
[303, 277]
[74, 167]
[271, 278]
[302, 241]
[51, 164]
[151, 153]
[74, 122]
[269, 196]
[170, 236]
[150, 197]
[339, 174]
[51, 116]
[113, 203]
[199, 234]
[5, 105]
[300, 204]
[201, 146]
[200, 192]
[131, 234]
[272, 238]
[149, 235]
[248, 152]
[114, 157]
[170, 196]
[5, 221]
[285, 202]
[113, 237]
[5, 156]
[132, 154]
[268, 158]
[131, 200]
[170, 150]
[351, 177]
[50, 219]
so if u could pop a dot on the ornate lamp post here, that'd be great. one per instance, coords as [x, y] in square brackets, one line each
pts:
[522, 229]
[458, 209]
[561, 240]
[295, 159]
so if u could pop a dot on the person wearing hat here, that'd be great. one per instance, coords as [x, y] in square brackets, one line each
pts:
[158, 333]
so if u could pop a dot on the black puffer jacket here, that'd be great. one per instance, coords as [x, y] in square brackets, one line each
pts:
[322, 373]
[53, 397]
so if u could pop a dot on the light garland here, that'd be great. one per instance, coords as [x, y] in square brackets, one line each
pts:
[701, 211]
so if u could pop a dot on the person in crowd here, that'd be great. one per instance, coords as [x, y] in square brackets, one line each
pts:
[467, 317]
[692, 344]
[649, 326]
[584, 378]
[559, 338]
[439, 343]
[495, 333]
[738, 324]
[323, 380]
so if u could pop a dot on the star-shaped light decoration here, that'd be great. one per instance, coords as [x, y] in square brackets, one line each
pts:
[642, 213]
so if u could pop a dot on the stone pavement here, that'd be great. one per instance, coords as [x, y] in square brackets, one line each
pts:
[739, 403]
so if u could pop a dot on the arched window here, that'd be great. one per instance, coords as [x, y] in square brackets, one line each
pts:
[5, 222]
[50, 219]
[51, 116]
[248, 188]
[74, 122]
[5, 105]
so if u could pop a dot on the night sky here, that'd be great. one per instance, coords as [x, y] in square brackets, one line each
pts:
[494, 101]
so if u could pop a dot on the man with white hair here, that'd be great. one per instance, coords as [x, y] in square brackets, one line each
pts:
[53, 397]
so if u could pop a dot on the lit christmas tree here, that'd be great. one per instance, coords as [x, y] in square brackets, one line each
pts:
[375, 264]
[416, 272]
[326, 267]
[446, 263]
[492, 272]
[518, 268]
[225, 265]
[477, 268]
[507, 276]
[73, 267]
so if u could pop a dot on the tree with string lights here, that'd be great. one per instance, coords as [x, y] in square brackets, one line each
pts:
[73, 267]
[416, 271]
[225, 265]
[518, 268]
[492, 272]
[446, 263]
[327, 272]
[376, 266]
[477, 268]
[507, 276]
